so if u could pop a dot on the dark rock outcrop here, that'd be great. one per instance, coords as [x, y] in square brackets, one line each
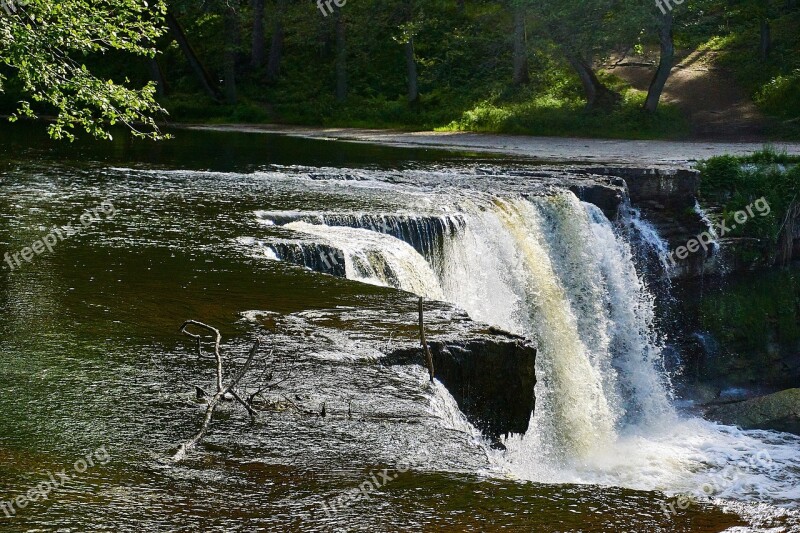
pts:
[779, 412]
[491, 377]
[658, 188]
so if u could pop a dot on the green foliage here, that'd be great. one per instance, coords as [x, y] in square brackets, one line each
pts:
[780, 97]
[463, 57]
[45, 45]
[565, 115]
[733, 183]
[747, 317]
[591, 30]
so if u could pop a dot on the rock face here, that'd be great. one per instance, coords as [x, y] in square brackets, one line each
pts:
[491, 374]
[779, 412]
[660, 188]
[491, 377]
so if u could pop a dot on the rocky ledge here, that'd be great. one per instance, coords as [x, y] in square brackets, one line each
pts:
[779, 412]
[491, 374]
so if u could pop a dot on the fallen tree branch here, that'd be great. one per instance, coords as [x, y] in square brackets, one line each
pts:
[222, 390]
[199, 350]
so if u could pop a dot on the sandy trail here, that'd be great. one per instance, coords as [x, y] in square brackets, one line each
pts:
[655, 154]
[715, 106]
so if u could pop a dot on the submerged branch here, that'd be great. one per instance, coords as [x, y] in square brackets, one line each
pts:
[427, 350]
[223, 391]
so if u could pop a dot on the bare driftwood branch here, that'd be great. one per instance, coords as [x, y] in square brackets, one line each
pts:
[427, 350]
[199, 351]
[222, 390]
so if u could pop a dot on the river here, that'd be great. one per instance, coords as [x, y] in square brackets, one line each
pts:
[233, 229]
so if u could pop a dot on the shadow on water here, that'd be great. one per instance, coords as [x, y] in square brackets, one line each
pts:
[218, 151]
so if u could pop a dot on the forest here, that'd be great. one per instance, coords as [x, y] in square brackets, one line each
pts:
[541, 67]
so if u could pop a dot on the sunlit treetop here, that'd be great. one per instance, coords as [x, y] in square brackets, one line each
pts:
[43, 43]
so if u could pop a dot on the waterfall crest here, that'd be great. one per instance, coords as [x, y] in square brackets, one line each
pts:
[376, 258]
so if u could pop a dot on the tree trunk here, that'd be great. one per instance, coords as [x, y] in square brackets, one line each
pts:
[521, 76]
[231, 30]
[276, 46]
[766, 39]
[597, 94]
[257, 46]
[665, 36]
[411, 69]
[158, 76]
[341, 57]
[199, 69]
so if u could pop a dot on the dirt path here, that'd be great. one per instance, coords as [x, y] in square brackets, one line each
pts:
[714, 104]
[655, 154]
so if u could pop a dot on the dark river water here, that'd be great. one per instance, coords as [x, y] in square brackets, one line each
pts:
[93, 364]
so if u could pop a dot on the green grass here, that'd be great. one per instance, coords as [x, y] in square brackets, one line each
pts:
[551, 116]
[733, 183]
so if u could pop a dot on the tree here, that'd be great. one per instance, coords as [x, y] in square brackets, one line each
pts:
[206, 81]
[664, 27]
[230, 24]
[583, 32]
[276, 44]
[44, 43]
[341, 55]
[407, 31]
[521, 75]
[257, 46]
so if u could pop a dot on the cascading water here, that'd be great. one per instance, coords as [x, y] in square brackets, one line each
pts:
[556, 269]
[576, 290]
[377, 258]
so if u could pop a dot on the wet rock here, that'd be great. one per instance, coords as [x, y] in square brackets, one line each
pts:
[671, 189]
[779, 412]
[491, 377]
[490, 373]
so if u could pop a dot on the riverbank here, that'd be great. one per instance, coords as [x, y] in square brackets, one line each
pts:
[656, 154]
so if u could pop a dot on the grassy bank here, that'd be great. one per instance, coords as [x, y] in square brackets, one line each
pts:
[730, 184]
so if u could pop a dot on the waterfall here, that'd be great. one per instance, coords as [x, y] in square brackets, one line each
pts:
[556, 269]
[550, 267]
[553, 268]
